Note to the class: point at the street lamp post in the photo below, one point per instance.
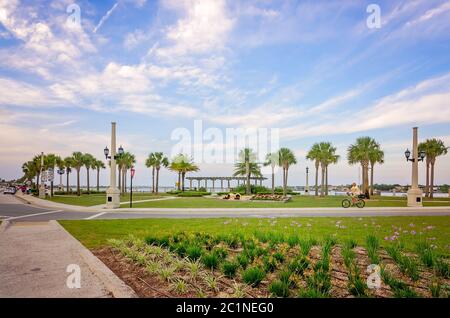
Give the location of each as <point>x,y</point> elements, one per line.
<point>60,172</point>
<point>414,193</point>
<point>113,193</point>
<point>131,186</point>
<point>307,186</point>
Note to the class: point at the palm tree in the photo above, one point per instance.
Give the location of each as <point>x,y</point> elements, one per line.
<point>314,154</point>
<point>286,158</point>
<point>359,153</point>
<point>272,160</point>
<point>375,156</point>
<point>150,163</point>
<point>77,161</point>
<point>182,164</point>
<point>433,148</point>
<point>68,163</point>
<point>128,161</point>
<point>160,161</point>
<point>88,162</point>
<point>39,167</point>
<point>426,147</point>
<point>98,164</point>
<point>51,160</point>
<point>247,166</point>
<point>327,156</point>
<point>29,170</point>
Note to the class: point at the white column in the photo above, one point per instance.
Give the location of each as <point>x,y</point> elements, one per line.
<point>113,194</point>
<point>415,194</point>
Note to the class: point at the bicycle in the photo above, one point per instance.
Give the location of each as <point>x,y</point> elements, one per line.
<point>348,202</point>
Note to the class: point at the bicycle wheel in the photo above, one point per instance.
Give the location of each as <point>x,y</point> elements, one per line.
<point>346,203</point>
<point>360,204</point>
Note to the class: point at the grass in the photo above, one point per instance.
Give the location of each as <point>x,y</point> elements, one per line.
<point>95,233</point>
<point>97,199</point>
<point>297,201</point>
<point>253,276</point>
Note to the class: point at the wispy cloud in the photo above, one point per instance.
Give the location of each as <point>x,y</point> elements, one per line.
<point>105,17</point>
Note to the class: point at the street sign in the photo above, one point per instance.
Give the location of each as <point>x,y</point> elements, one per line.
<point>50,174</point>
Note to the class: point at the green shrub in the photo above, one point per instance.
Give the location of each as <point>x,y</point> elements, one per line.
<point>243,260</point>
<point>229,269</point>
<point>163,241</point>
<point>210,260</point>
<point>442,268</point>
<point>320,281</point>
<point>253,276</point>
<point>220,252</point>
<point>372,249</point>
<point>426,254</point>
<point>191,194</point>
<point>270,263</point>
<point>298,265</point>
<point>279,288</point>
<point>194,252</point>
<point>279,257</point>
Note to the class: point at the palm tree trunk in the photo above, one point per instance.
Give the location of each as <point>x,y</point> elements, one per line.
<point>157,180</point>
<point>273,180</point>
<point>432,180</point>
<point>67,181</point>
<point>317,181</point>
<point>285,181</point>
<point>124,180</point>
<point>247,181</point>
<point>366,181</point>
<point>153,179</point>
<point>427,186</point>
<point>179,180</point>
<point>322,185</point>
<point>37,180</point>
<point>98,179</point>
<point>78,182</point>
<point>119,174</point>
<point>87,174</point>
<point>51,188</point>
<point>183,174</point>
<point>371,179</point>
<point>326,180</point>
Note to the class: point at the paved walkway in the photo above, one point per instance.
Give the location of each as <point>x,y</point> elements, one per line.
<point>34,257</point>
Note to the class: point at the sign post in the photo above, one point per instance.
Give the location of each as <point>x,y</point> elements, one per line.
<point>131,186</point>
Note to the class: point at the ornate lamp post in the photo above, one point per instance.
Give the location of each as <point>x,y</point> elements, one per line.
<point>307,186</point>
<point>60,172</point>
<point>113,193</point>
<point>414,193</point>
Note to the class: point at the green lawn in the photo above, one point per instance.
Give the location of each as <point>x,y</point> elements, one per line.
<point>96,199</point>
<point>298,201</point>
<point>434,229</point>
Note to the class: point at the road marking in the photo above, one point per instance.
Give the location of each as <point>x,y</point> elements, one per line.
<point>35,214</point>
<point>95,215</point>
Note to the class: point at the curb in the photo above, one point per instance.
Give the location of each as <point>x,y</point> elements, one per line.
<point>112,283</point>
<point>22,199</point>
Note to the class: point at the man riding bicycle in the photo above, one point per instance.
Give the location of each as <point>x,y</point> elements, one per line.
<point>354,192</point>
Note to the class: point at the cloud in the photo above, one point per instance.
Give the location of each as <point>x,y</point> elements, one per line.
<point>105,17</point>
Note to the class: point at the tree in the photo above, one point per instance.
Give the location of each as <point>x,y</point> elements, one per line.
<point>77,161</point>
<point>88,162</point>
<point>314,154</point>
<point>286,158</point>
<point>327,156</point>
<point>182,164</point>
<point>29,170</point>
<point>128,160</point>
<point>150,163</point>
<point>68,163</point>
<point>39,167</point>
<point>375,156</point>
<point>359,153</point>
<point>98,164</point>
<point>433,148</point>
<point>247,166</point>
<point>50,161</point>
<point>160,161</point>
<point>272,161</point>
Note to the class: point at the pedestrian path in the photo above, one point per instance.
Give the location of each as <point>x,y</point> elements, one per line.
<point>41,259</point>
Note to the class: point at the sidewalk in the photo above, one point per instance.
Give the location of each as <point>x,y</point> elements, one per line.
<point>34,260</point>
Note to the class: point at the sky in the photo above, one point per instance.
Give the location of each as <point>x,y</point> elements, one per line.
<point>310,70</point>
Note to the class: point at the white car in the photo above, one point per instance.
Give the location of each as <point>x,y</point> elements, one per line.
<point>10,190</point>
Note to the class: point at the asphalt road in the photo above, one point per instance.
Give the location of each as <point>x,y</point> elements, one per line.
<point>15,210</point>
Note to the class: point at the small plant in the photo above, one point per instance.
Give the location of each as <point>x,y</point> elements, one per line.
<point>279,257</point>
<point>435,288</point>
<point>426,254</point>
<point>243,260</point>
<point>179,286</point>
<point>305,246</point>
<point>442,268</point>
<point>238,290</point>
<point>211,282</point>
<point>311,293</point>
<point>298,265</point>
<point>229,269</point>
<point>406,264</point>
<point>279,288</point>
<point>193,268</point>
<point>194,252</point>
<point>220,252</point>
<point>320,281</point>
<point>270,263</point>
<point>372,249</point>
<point>293,240</point>
<point>167,273</point>
<point>253,276</point>
<point>210,260</point>
<point>285,276</point>
<point>399,288</point>
<point>350,243</point>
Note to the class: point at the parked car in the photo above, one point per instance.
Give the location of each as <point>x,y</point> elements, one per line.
<point>10,190</point>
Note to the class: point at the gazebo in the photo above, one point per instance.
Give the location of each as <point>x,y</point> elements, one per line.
<point>238,181</point>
